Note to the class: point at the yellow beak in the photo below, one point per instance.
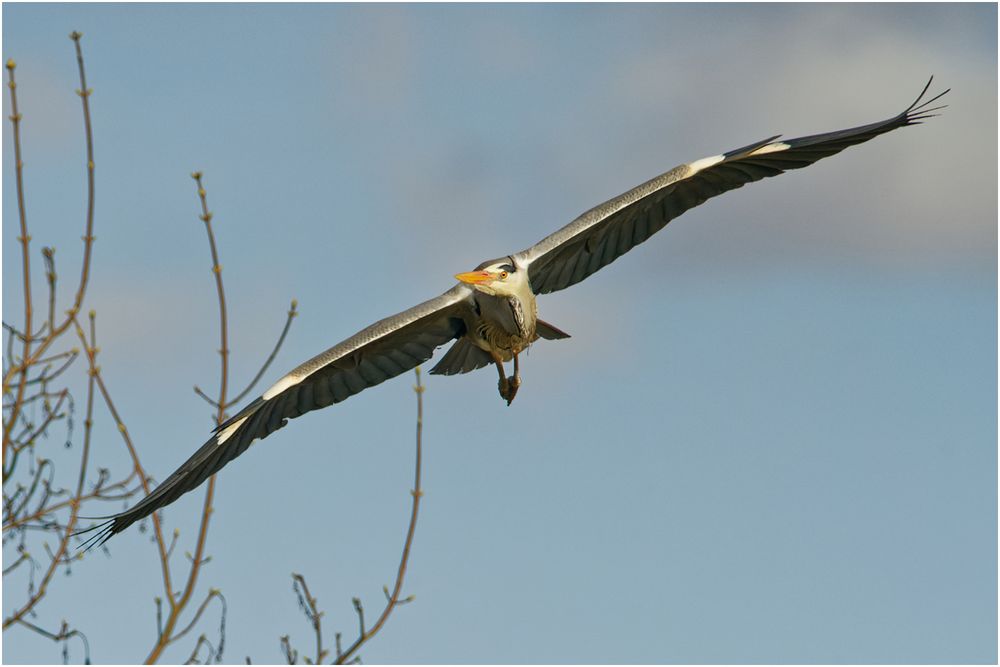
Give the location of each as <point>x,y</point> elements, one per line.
<point>474,277</point>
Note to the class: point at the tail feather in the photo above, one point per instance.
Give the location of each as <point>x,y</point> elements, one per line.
<point>462,357</point>
<point>549,332</point>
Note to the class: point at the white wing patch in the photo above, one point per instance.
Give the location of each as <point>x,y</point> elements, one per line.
<point>227,432</point>
<point>281,385</point>
<point>771,148</point>
<point>704,163</point>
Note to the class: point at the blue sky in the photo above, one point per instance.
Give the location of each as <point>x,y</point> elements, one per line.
<point>772,437</point>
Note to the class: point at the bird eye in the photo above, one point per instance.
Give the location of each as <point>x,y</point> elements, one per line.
<point>503,275</point>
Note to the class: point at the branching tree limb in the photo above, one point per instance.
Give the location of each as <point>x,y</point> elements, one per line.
<point>176,605</point>
<point>393,598</point>
<point>32,501</point>
<point>42,503</point>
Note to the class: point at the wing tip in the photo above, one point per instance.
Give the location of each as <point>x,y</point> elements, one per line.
<point>105,531</point>
<point>919,111</point>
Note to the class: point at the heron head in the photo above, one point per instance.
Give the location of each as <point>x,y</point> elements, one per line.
<point>496,277</point>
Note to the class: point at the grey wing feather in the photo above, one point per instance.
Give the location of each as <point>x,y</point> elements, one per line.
<point>608,231</point>
<point>375,354</point>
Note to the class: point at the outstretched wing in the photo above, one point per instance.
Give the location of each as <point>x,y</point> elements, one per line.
<point>371,356</point>
<point>608,231</point>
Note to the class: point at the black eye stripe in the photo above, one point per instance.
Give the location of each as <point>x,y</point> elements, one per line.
<point>498,264</point>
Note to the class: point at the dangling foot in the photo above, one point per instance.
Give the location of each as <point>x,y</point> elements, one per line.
<point>503,386</point>
<point>513,384</point>
<point>507,386</point>
<point>514,381</point>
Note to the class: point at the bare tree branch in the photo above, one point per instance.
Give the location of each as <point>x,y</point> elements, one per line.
<point>177,606</point>
<point>64,635</point>
<point>393,599</point>
<point>42,509</point>
<point>29,358</point>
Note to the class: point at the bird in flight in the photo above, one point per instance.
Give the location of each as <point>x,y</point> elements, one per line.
<point>492,312</point>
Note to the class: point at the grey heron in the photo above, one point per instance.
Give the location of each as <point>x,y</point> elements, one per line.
<point>491,314</point>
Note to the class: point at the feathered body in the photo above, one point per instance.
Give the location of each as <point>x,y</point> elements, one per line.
<point>507,312</point>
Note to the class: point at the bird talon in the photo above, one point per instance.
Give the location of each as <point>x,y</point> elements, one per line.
<point>513,384</point>
<point>508,387</point>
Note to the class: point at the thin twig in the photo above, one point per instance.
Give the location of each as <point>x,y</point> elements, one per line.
<point>193,658</point>
<point>43,466</point>
<point>212,594</point>
<point>198,559</point>
<point>291,655</point>
<point>69,356</point>
<point>173,543</point>
<point>8,359</point>
<point>88,239</point>
<point>208,399</point>
<point>50,416</point>
<point>206,217</point>
<point>292,312</point>
<point>88,421</point>
<point>24,239</point>
<point>13,566</point>
<point>308,603</point>
<point>49,256</point>
<point>63,635</point>
<point>360,611</point>
<point>394,599</point>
